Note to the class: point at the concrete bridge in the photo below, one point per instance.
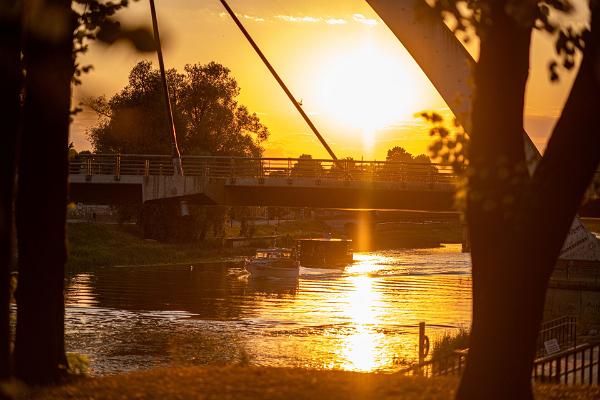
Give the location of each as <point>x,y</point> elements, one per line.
<point>285,182</point>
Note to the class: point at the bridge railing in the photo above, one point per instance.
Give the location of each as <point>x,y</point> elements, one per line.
<point>261,168</point>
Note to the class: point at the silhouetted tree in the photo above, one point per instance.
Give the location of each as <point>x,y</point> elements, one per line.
<point>43,170</point>
<point>398,154</point>
<point>403,164</point>
<point>39,39</point>
<point>306,166</point>
<point>209,121</point>
<point>208,117</point>
<point>518,222</point>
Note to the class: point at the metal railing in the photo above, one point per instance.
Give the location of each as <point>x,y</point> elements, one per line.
<point>563,329</point>
<point>578,366</point>
<point>574,365</point>
<point>261,168</point>
<point>448,365</point>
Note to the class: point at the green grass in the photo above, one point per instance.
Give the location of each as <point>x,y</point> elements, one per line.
<point>95,245</point>
<point>296,229</point>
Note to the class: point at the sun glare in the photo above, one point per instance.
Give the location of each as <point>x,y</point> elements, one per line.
<point>368,88</point>
<point>362,350</point>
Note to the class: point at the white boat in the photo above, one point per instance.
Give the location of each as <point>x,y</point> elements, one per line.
<point>274,262</point>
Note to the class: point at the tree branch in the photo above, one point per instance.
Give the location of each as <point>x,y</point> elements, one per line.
<point>573,152</point>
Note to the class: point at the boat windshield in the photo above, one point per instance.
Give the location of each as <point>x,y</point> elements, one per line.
<point>273,254</point>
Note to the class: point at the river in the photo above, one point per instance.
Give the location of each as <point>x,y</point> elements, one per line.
<point>364,318</point>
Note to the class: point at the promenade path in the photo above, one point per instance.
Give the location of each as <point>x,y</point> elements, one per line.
<point>245,383</point>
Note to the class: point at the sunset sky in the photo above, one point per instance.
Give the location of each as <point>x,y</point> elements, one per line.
<point>356,81</point>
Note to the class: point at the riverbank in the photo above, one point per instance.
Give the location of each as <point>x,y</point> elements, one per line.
<point>239,382</point>
<point>93,245</point>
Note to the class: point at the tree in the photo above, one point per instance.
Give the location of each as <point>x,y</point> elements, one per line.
<point>519,222</point>
<point>208,118</point>
<point>307,167</point>
<point>398,154</point>
<point>402,164</point>
<point>10,87</point>
<point>209,121</point>
<point>38,48</point>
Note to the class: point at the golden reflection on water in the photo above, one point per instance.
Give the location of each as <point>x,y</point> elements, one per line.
<point>364,349</point>
<point>364,318</point>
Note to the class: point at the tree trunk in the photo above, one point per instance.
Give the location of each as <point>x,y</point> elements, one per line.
<point>42,195</point>
<point>497,365</point>
<point>516,241</point>
<point>10,85</point>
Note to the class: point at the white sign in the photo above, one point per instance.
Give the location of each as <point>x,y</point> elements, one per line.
<point>551,346</point>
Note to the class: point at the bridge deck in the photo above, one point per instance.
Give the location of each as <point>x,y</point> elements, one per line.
<point>264,182</point>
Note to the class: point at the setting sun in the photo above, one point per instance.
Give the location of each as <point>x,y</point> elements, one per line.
<point>364,87</point>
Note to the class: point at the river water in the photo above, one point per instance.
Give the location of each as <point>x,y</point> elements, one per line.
<point>364,318</point>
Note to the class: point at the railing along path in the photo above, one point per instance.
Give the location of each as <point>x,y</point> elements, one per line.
<point>576,365</point>
<point>241,167</point>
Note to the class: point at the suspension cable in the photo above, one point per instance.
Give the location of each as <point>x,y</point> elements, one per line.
<point>175,154</point>
<point>279,80</point>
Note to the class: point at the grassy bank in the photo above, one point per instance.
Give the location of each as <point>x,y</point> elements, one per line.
<point>237,382</point>
<point>95,245</point>
<point>382,235</point>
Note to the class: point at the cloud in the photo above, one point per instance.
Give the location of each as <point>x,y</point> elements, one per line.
<point>253,18</point>
<point>291,18</point>
<point>308,19</point>
<point>361,19</point>
<point>336,21</point>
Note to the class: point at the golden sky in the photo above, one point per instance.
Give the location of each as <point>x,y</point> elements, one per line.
<point>356,81</point>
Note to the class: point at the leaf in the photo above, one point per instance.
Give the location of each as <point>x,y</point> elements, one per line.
<point>142,39</point>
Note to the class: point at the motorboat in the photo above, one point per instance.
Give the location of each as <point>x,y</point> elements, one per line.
<point>273,263</point>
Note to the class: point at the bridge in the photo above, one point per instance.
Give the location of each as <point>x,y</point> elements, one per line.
<point>284,182</point>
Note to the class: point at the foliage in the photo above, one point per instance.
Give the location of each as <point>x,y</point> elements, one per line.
<point>473,18</point>
<point>79,364</point>
<point>450,145</point>
<point>449,342</point>
<point>307,166</point>
<point>398,154</point>
<point>405,163</point>
<point>517,222</point>
<point>95,21</point>
<point>208,118</point>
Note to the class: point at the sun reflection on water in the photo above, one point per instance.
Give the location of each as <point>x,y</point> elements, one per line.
<point>363,318</point>
<point>363,350</point>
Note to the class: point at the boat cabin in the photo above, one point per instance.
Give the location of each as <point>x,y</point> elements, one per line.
<point>324,253</point>
<point>273,253</point>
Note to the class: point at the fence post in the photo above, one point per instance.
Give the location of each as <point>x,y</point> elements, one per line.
<point>423,343</point>
<point>118,167</point>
